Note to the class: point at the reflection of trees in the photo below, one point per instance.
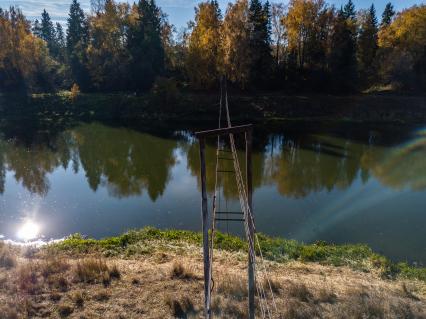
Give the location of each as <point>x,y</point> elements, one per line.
<point>400,167</point>
<point>32,164</point>
<point>317,163</point>
<point>227,180</point>
<point>312,165</point>
<point>124,160</point>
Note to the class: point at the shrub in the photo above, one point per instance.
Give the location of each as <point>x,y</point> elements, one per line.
<point>75,91</point>
<point>179,271</point>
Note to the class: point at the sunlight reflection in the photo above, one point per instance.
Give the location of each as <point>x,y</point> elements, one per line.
<point>29,230</point>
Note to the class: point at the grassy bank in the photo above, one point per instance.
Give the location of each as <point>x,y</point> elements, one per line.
<point>152,273</point>
<point>198,107</point>
<point>357,256</point>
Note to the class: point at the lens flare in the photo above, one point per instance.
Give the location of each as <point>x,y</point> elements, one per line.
<point>29,230</point>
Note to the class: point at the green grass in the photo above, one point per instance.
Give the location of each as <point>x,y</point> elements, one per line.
<point>146,240</point>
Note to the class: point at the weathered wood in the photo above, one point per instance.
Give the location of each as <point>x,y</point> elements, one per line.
<point>225,131</point>
<point>251,255</point>
<point>205,226</point>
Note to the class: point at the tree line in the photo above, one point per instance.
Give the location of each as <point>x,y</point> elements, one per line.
<point>306,45</point>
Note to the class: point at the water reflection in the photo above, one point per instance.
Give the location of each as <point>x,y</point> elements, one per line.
<point>367,185</point>
<point>127,162</point>
<point>29,230</point>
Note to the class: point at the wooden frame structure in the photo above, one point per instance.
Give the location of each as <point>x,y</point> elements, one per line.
<point>247,130</point>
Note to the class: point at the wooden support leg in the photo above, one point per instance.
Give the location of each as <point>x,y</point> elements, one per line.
<point>205,223</point>
<point>251,255</point>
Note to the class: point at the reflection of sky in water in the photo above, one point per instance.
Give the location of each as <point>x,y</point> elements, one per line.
<point>307,187</point>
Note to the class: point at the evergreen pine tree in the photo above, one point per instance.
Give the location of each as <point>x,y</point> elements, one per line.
<point>36,28</point>
<point>260,43</point>
<point>349,10</point>
<point>59,35</point>
<point>60,41</point>
<point>343,64</point>
<point>367,47</point>
<point>76,43</point>
<point>387,15</point>
<point>145,46</point>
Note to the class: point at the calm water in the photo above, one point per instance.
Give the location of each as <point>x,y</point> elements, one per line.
<point>312,182</point>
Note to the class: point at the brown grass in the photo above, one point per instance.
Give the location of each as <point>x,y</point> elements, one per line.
<point>52,266</point>
<point>7,258</point>
<point>233,286</point>
<point>65,310</point>
<point>28,279</point>
<point>299,291</point>
<point>179,271</point>
<point>180,308</point>
<point>42,287</point>
<point>78,297</point>
<point>93,270</point>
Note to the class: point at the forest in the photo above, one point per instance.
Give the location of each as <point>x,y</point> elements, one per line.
<point>303,46</point>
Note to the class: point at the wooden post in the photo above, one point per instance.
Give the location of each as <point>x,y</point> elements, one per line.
<point>251,255</point>
<point>205,226</point>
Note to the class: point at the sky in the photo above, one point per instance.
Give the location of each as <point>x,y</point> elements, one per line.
<point>179,11</point>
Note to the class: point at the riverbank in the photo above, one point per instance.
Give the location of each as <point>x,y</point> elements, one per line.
<point>131,109</point>
<point>158,274</point>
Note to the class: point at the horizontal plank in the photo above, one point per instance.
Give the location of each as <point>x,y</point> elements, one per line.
<point>225,131</point>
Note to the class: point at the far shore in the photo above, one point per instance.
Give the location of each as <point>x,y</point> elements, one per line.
<point>153,273</point>
<point>196,107</point>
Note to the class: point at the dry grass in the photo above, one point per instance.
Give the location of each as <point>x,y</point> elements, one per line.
<point>75,288</point>
<point>180,308</point>
<point>179,271</point>
<point>28,279</point>
<point>64,310</point>
<point>78,297</point>
<point>7,258</point>
<point>52,266</point>
<point>299,291</point>
<point>95,270</point>
<point>233,286</point>
<point>8,312</point>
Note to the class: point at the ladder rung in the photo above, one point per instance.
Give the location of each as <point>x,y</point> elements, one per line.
<point>226,171</point>
<point>230,219</point>
<point>227,151</point>
<point>226,158</point>
<point>231,213</point>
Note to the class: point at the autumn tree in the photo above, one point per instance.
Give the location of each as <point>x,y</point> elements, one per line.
<point>145,45</point>
<point>260,43</point>
<point>236,41</point>
<point>308,24</point>
<point>367,47</point>
<point>403,44</point>
<point>77,39</point>
<point>204,46</point>
<point>24,59</point>
<point>106,50</point>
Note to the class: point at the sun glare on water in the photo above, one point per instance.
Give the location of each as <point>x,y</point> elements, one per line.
<point>29,230</point>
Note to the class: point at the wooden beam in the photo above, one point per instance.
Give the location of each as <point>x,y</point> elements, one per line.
<point>205,226</point>
<point>225,131</point>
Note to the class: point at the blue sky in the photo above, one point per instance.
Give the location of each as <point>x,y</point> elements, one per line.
<point>179,11</point>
